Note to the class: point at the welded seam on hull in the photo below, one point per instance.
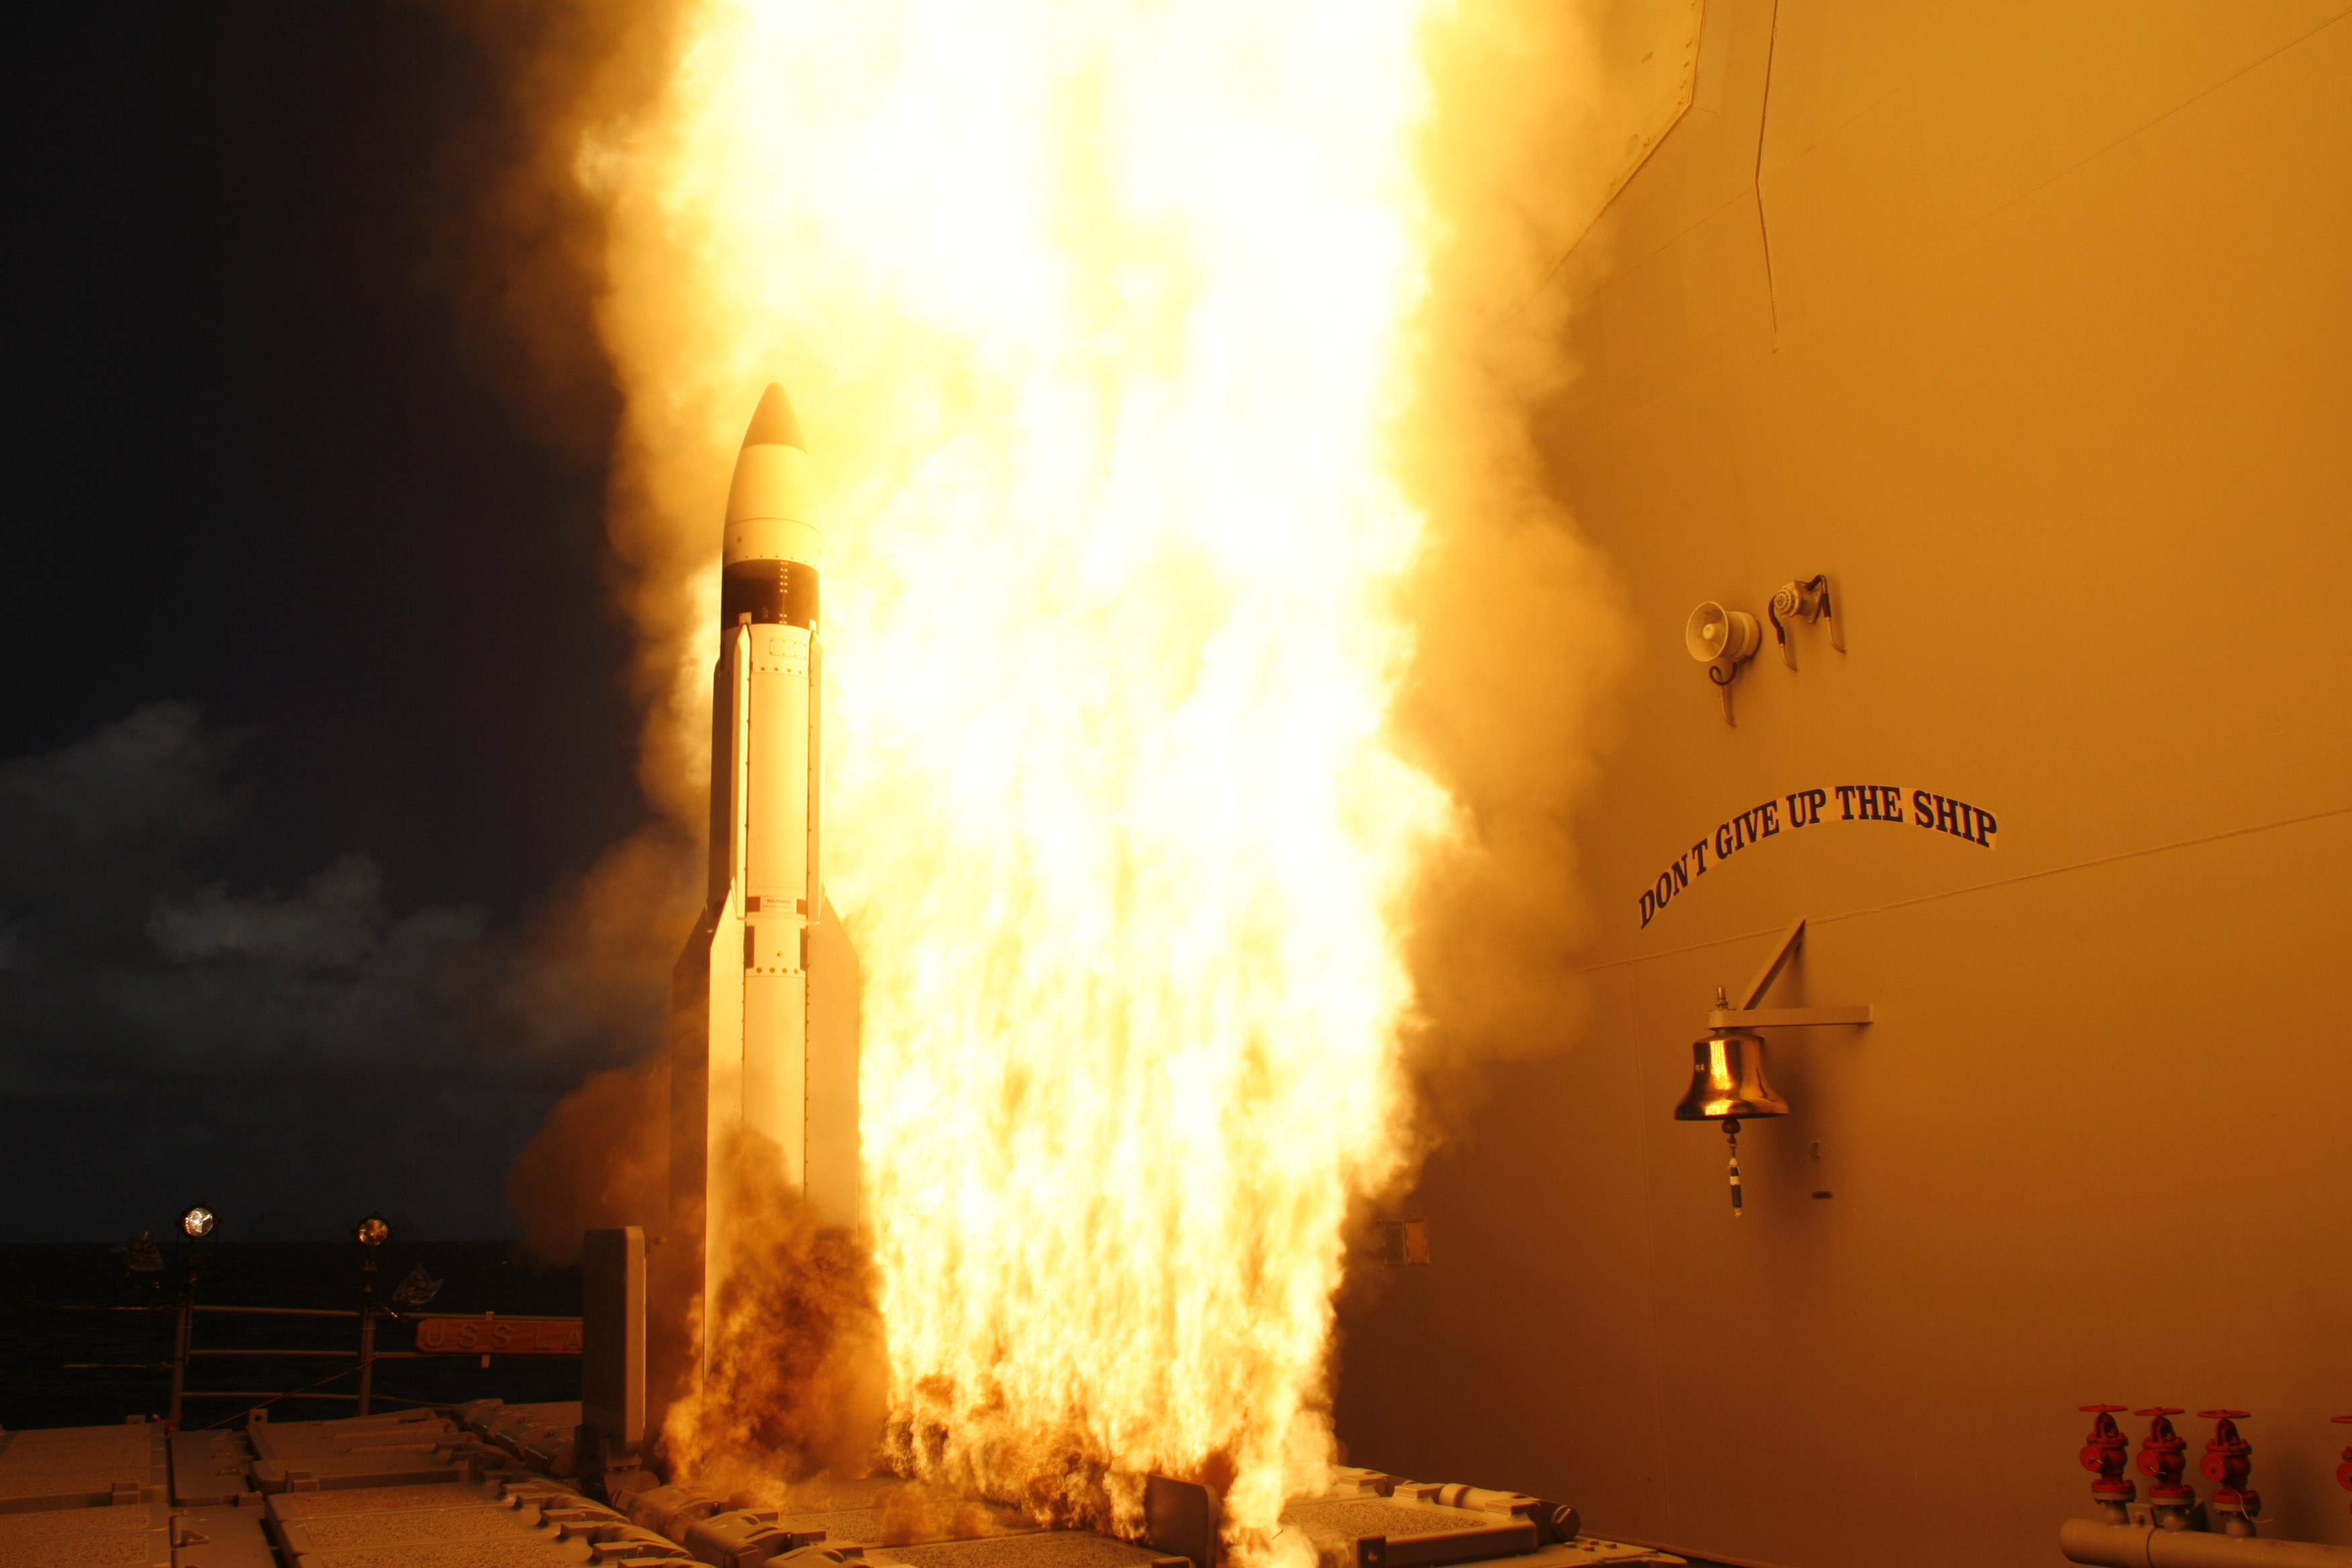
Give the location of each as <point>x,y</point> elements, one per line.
<point>1763,125</point>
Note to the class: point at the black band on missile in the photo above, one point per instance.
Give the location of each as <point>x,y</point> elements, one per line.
<point>771,593</point>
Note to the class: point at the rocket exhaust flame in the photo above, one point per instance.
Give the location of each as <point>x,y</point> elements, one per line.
<point>1098,317</point>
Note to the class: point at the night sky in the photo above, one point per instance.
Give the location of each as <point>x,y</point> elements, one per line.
<point>314,694</point>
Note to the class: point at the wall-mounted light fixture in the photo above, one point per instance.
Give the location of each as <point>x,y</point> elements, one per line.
<point>1728,1079</point>
<point>1722,640</point>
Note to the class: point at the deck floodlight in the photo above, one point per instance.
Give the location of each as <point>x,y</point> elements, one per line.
<point>198,1222</point>
<point>372,1231</point>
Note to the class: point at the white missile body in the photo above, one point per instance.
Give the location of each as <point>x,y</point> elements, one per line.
<point>743,1045</point>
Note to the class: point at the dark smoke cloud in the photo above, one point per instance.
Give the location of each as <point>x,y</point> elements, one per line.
<point>293,1057</point>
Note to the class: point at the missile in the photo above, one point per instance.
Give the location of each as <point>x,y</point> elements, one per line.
<point>741,1041</point>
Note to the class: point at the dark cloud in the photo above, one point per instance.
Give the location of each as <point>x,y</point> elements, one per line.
<point>164,1034</point>
<point>254,281</point>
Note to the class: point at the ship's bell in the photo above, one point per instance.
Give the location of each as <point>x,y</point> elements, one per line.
<point>1728,1080</point>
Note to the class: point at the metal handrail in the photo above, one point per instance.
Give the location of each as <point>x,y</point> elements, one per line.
<point>346,1355</point>
<point>205,1307</point>
<point>183,1351</point>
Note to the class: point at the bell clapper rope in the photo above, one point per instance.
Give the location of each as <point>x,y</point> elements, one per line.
<point>1731,1136</point>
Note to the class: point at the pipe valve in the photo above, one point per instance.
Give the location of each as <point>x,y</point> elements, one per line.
<point>2226,1464</point>
<point>2105,1451</point>
<point>2163,1455</point>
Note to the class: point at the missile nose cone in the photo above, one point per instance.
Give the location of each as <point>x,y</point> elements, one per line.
<point>771,515</point>
<point>774,423</point>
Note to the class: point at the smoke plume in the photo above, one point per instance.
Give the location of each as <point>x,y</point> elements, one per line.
<point>1520,633</point>
<point>795,1387</point>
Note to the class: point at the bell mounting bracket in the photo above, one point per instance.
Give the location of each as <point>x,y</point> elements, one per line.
<point>1748,1016</point>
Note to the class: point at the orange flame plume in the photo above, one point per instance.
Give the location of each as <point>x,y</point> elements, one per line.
<point>1098,319</point>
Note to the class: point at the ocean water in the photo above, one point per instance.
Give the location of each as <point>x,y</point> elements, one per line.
<point>39,1335</point>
